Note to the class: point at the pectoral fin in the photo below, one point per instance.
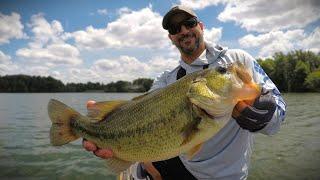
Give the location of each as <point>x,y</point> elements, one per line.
<point>191,129</point>
<point>98,111</point>
<point>117,165</point>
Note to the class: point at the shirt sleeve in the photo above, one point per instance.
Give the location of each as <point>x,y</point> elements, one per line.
<point>261,78</point>
<point>160,81</point>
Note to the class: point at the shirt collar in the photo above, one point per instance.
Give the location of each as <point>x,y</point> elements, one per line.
<point>208,56</point>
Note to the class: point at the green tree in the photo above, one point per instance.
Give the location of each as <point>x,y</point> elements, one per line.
<point>279,74</point>
<point>119,86</point>
<point>268,65</point>
<point>142,84</point>
<point>313,81</point>
<point>301,71</point>
<point>4,84</point>
<point>290,71</point>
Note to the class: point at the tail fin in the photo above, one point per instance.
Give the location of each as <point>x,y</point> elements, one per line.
<point>61,115</point>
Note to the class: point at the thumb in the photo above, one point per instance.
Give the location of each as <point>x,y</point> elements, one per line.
<point>240,106</point>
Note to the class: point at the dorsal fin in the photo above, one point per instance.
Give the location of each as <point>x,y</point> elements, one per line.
<point>145,94</point>
<point>139,97</point>
<point>98,111</point>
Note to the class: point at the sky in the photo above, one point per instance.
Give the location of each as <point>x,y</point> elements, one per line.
<point>111,40</point>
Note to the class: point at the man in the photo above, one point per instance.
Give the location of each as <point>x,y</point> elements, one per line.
<point>227,155</point>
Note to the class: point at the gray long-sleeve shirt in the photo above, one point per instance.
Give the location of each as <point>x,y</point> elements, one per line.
<point>227,154</point>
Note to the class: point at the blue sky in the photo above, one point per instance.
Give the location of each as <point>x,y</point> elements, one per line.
<point>104,41</point>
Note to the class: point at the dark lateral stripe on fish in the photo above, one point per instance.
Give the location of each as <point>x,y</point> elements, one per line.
<point>94,132</point>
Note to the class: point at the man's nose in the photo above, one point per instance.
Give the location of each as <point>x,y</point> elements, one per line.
<point>184,30</point>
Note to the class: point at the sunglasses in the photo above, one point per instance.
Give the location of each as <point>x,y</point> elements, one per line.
<point>188,23</point>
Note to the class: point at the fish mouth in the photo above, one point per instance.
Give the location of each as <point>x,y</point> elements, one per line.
<point>204,112</point>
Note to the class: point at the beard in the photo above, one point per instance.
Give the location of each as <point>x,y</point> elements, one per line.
<point>192,49</point>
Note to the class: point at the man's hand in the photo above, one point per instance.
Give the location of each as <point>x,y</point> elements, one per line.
<point>90,146</point>
<point>107,153</point>
<point>102,153</point>
<point>255,116</point>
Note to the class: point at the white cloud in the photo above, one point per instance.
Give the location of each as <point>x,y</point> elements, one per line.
<point>47,46</point>
<point>135,29</point>
<point>132,29</point>
<point>263,39</point>
<point>102,11</point>
<point>159,64</point>
<point>53,54</point>
<point>78,75</point>
<point>279,41</point>
<point>312,42</point>
<point>4,58</point>
<point>123,68</point>
<point>9,68</point>
<point>106,70</point>
<point>124,10</point>
<point>6,65</point>
<point>36,71</point>
<point>213,35</point>
<point>265,15</point>
<point>44,32</point>
<point>200,4</point>
<point>5,61</point>
<point>10,27</point>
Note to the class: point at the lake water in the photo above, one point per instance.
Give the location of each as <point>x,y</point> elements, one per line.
<point>26,153</point>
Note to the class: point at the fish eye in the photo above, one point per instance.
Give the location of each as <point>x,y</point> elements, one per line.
<point>221,69</point>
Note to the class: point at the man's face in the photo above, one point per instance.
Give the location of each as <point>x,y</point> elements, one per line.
<point>188,39</point>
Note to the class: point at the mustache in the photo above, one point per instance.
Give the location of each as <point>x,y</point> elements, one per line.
<point>188,35</point>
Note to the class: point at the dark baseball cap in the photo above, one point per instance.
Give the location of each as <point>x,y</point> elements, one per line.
<point>173,11</point>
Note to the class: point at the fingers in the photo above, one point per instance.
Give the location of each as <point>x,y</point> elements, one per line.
<point>152,171</point>
<point>89,146</point>
<point>235,113</point>
<point>102,153</point>
<point>90,104</point>
<point>241,106</point>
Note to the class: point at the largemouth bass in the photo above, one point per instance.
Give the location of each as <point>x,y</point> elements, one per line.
<point>161,124</point>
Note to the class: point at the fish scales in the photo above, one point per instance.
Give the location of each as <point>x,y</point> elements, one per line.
<point>158,122</point>
<point>116,130</point>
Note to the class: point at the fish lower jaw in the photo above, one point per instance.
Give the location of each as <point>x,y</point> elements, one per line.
<point>217,114</point>
<point>207,113</point>
<point>203,111</point>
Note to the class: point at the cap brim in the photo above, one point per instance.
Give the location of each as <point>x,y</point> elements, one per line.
<point>170,14</point>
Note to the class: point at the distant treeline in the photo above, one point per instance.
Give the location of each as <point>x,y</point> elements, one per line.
<point>24,83</point>
<point>297,71</point>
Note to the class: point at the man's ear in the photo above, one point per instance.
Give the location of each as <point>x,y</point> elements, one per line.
<point>201,25</point>
<point>169,36</point>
